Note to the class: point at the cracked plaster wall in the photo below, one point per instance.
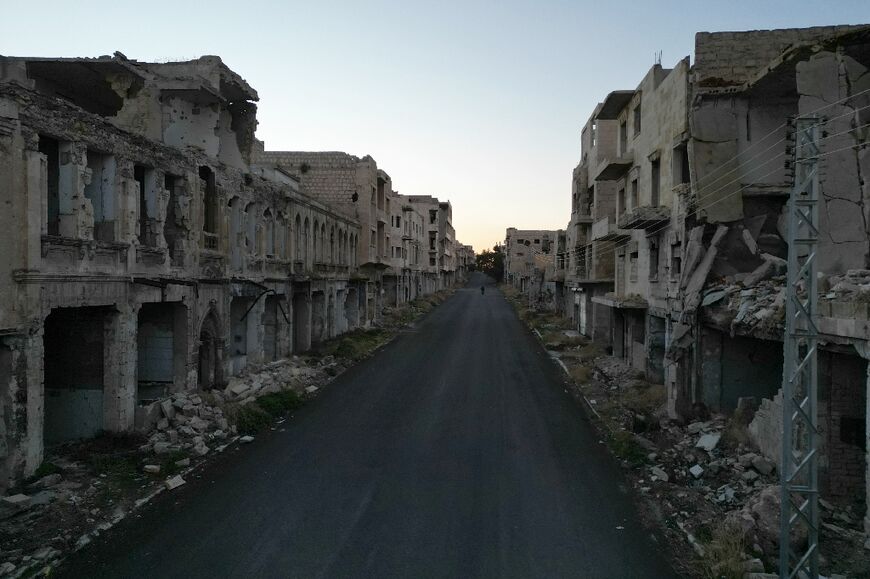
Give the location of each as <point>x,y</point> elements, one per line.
<point>822,80</point>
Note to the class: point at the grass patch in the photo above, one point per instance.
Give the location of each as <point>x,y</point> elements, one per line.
<point>45,469</point>
<point>590,352</point>
<point>644,399</point>
<point>167,463</point>
<point>251,419</point>
<point>624,446</point>
<point>580,374</point>
<point>357,344</point>
<point>280,403</point>
<point>724,553</point>
<point>121,471</point>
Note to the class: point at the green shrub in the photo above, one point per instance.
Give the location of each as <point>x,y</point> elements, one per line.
<point>45,469</point>
<point>623,445</point>
<point>251,419</point>
<point>279,403</point>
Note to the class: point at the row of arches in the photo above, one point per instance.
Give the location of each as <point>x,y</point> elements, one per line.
<point>333,245</point>
<point>270,234</point>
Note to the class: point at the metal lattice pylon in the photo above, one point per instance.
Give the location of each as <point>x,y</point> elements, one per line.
<point>799,525</point>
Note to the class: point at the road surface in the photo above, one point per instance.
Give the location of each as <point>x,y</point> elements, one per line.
<point>453,452</point>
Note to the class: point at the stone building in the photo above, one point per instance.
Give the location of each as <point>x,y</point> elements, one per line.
<point>648,172</point>
<point>388,254</point>
<point>439,241</point>
<point>148,249</point>
<point>592,232</point>
<point>530,265</point>
<point>685,182</point>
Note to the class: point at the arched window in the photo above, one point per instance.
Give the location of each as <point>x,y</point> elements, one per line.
<point>323,242</point>
<point>210,208</point>
<point>297,238</point>
<point>236,234</point>
<point>269,233</point>
<point>305,237</point>
<point>332,245</point>
<point>316,240</point>
<point>251,228</point>
<point>281,236</point>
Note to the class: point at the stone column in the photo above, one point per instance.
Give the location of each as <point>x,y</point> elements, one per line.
<point>119,374</point>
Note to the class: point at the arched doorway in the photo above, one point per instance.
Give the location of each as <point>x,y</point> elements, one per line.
<point>211,346</point>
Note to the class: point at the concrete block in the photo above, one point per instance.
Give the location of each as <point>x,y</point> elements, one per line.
<point>167,408</point>
<point>174,482</point>
<point>708,441</point>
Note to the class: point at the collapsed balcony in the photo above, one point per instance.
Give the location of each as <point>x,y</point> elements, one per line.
<point>645,217</point>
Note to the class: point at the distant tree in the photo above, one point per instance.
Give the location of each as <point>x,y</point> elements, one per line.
<point>491,262</point>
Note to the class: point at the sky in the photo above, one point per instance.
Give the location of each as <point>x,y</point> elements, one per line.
<point>476,102</point>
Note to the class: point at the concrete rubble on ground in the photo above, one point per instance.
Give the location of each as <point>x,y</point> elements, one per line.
<point>193,424</point>
<point>701,477</point>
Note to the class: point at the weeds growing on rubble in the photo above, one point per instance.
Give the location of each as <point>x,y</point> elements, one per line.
<point>279,403</point>
<point>250,419</point>
<point>724,553</point>
<point>358,344</point>
<point>624,445</point>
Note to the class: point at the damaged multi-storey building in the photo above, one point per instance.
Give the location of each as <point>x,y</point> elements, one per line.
<point>406,244</point>
<point>530,265</point>
<point>675,254</point>
<point>148,250</point>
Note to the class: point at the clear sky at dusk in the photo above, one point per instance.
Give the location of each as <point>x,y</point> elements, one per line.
<point>477,102</point>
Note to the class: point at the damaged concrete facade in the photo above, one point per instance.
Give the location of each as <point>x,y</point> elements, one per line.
<point>530,265</point>
<point>145,252</point>
<point>395,250</point>
<point>682,187</point>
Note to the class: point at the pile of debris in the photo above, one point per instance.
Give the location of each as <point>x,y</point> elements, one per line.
<point>759,309</point>
<point>303,375</point>
<point>85,488</point>
<point>706,475</point>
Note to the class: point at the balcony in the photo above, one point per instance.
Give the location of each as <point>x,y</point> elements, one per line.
<point>605,230</point>
<point>582,217</point>
<point>615,102</point>
<point>627,302</point>
<point>645,217</point>
<point>614,168</point>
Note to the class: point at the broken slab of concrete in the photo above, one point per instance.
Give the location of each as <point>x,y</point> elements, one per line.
<point>708,441</point>
<point>174,482</point>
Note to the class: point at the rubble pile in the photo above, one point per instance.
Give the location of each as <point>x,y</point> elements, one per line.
<point>706,473</point>
<point>295,373</point>
<point>760,308</point>
<point>65,509</point>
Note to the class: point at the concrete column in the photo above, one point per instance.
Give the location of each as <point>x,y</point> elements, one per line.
<point>119,376</point>
<point>256,332</point>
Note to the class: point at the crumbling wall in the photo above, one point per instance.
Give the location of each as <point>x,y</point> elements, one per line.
<point>823,81</point>
<point>731,58</point>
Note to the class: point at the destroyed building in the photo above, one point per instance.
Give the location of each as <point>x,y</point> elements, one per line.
<point>530,265</point>
<point>675,253</point>
<point>358,189</point>
<point>148,252</point>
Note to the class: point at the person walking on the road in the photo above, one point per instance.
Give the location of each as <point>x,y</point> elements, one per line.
<point>482,289</point>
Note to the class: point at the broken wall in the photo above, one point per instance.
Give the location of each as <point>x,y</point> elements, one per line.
<point>828,80</point>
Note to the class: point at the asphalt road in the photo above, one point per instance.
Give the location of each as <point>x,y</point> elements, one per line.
<point>453,452</point>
